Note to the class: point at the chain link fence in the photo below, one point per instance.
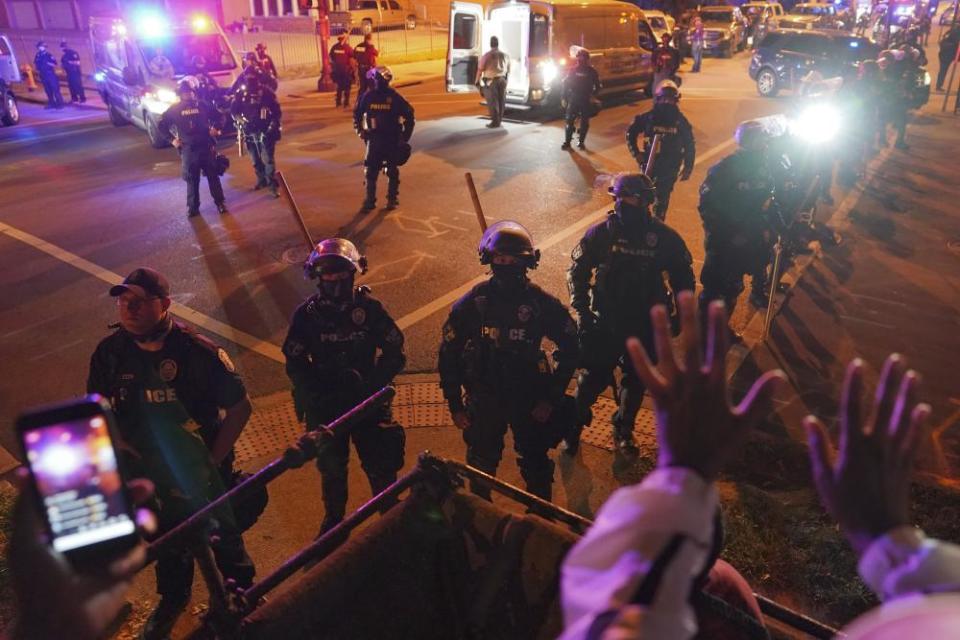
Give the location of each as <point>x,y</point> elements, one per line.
<point>295,50</point>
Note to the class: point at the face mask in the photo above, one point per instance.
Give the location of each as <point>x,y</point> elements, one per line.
<point>666,109</point>
<point>511,277</point>
<point>336,290</point>
<point>633,217</point>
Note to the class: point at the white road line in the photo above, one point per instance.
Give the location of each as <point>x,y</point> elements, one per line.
<point>33,139</point>
<point>450,297</point>
<point>205,322</point>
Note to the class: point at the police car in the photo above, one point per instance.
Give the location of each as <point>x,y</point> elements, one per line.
<point>140,59</point>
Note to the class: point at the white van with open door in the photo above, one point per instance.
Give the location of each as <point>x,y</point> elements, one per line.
<point>540,37</point>
<point>9,73</point>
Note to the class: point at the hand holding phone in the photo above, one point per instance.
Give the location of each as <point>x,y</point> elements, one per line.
<point>76,479</point>
<point>55,600</point>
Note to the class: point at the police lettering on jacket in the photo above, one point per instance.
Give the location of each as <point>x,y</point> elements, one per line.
<point>677,146</point>
<point>494,341</point>
<point>625,267</point>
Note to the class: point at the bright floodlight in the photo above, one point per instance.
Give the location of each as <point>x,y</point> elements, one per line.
<point>817,124</point>
<point>60,460</point>
<point>200,23</point>
<point>152,25</point>
<point>549,70</point>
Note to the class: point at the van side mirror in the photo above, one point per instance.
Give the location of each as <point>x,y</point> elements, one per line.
<point>130,76</point>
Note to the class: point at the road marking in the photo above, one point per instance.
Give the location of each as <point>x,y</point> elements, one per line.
<point>266,349</point>
<point>32,139</point>
<point>450,297</point>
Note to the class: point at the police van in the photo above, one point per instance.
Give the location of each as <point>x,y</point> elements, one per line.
<point>9,73</point>
<point>140,59</point>
<point>541,38</point>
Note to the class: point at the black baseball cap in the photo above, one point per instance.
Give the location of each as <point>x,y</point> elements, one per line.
<point>144,282</point>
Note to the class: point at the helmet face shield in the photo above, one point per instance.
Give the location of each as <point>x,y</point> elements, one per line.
<point>334,255</point>
<point>506,243</point>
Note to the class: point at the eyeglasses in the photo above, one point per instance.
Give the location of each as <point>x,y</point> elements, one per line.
<point>135,303</point>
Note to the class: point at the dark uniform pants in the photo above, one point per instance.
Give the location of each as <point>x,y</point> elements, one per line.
<point>495,93</point>
<point>380,445</point>
<point>578,109</point>
<point>192,164</point>
<point>362,83</point>
<point>380,155</point>
<point>174,568</point>
<point>51,85</point>
<point>602,353</point>
<point>664,182</point>
<point>490,416</point>
<point>724,267</point>
<point>262,148</point>
<point>75,82</point>
<point>343,78</point>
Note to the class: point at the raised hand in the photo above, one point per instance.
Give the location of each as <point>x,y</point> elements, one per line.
<point>696,426</point>
<point>867,488</point>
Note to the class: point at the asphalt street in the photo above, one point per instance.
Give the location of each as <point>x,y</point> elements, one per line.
<point>82,203</point>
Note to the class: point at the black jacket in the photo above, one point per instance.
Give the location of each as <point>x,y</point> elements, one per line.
<point>384,116</point>
<point>734,198</point>
<point>493,342</point>
<point>257,113</point>
<point>581,83</point>
<point>677,146</point>
<point>191,122</point>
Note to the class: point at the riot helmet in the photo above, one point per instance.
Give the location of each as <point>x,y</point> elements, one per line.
<point>187,88</point>
<point>508,248</point>
<point>334,263</point>
<point>583,55</point>
<point>380,77</point>
<point>261,48</point>
<point>634,193</point>
<point>751,135</point>
<point>667,91</point>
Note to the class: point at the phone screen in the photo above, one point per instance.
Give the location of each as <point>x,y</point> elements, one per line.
<point>75,469</point>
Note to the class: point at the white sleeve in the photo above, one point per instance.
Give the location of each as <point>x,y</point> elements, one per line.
<point>904,561</point>
<point>661,528</point>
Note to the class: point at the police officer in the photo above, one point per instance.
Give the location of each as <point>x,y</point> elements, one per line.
<point>492,350</point>
<point>734,201</point>
<point>615,279</point>
<point>677,148</point>
<point>257,116</point>
<point>253,69</point>
<point>580,88</point>
<point>266,62</point>
<point>385,121</point>
<point>666,61</point>
<point>46,66</point>
<point>341,61</point>
<point>169,386</point>
<point>70,61</point>
<point>365,55</point>
<point>895,83</point>
<point>194,126</point>
<point>342,347</point>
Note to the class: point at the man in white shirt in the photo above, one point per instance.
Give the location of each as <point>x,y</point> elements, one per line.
<point>492,72</point>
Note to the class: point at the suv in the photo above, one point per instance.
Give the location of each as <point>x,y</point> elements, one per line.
<point>9,73</point>
<point>373,15</point>
<point>724,30</point>
<point>784,57</point>
<point>761,17</point>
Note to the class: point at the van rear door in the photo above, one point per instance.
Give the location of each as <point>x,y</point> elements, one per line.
<point>9,72</point>
<point>511,24</point>
<point>463,52</point>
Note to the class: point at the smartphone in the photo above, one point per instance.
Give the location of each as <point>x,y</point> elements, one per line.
<point>76,478</point>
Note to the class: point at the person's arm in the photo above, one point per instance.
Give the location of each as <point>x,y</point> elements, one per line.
<point>634,568</point>
<point>392,359</point>
<point>234,420</point>
<point>680,267</point>
<point>583,262</point>
<point>480,66</point>
<point>633,135</point>
<point>299,366</point>
<point>689,147</point>
<point>867,487</point>
<point>596,83</point>
<point>450,359</point>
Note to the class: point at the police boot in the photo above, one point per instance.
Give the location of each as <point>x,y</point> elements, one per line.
<point>163,618</point>
<point>539,479</point>
<point>261,183</point>
<point>222,207</point>
<point>566,145</point>
<point>393,202</point>
<point>193,213</point>
<point>623,441</point>
<point>582,144</point>
<point>571,441</point>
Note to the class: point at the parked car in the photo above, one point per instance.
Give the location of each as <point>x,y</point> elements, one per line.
<point>373,15</point>
<point>784,57</point>
<point>725,30</point>
<point>761,17</point>
<point>9,73</point>
<point>660,23</point>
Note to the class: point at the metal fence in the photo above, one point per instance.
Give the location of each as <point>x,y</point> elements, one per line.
<point>294,53</point>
